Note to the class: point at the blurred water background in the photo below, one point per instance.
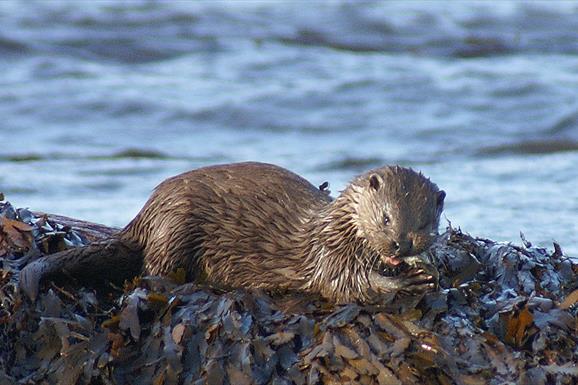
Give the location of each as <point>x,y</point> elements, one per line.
<point>100,101</point>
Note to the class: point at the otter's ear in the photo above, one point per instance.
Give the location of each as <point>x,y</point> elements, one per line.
<point>441,195</point>
<point>375,181</point>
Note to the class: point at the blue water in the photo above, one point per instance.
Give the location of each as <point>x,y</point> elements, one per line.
<point>100,101</point>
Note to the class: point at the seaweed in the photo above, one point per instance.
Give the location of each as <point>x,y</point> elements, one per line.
<point>503,313</point>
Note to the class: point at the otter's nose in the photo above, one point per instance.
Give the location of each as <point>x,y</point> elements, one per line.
<point>402,247</point>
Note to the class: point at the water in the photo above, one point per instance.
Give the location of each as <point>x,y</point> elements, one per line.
<point>100,101</point>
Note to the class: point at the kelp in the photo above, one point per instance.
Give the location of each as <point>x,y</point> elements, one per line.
<point>503,313</point>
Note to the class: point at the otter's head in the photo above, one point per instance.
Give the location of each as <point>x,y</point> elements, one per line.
<point>397,212</point>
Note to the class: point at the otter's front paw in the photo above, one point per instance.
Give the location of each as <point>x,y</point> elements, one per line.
<point>414,280</point>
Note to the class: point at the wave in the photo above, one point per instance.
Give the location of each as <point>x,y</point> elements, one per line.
<point>129,153</point>
<point>143,32</point>
<point>531,148</point>
<point>354,164</point>
<point>10,46</point>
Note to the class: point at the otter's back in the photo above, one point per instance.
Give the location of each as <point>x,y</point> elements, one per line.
<point>226,221</point>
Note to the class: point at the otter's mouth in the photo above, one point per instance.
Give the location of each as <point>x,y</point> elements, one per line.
<point>390,266</point>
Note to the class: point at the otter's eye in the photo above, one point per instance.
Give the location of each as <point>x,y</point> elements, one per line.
<point>385,220</point>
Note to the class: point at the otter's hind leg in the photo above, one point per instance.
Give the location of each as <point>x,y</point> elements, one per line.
<point>180,246</point>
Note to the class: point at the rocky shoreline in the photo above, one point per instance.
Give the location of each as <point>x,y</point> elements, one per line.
<point>503,314</point>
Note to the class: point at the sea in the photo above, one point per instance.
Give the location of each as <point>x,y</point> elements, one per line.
<point>102,100</point>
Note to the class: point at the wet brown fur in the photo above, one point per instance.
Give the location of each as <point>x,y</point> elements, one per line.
<point>257,225</point>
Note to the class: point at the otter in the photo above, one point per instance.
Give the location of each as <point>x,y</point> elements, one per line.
<point>257,225</point>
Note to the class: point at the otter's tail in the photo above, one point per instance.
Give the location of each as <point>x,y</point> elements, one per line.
<point>107,260</point>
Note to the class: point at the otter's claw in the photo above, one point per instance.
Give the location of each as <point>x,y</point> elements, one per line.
<point>416,282</point>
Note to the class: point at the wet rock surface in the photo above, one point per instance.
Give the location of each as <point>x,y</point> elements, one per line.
<point>504,313</point>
